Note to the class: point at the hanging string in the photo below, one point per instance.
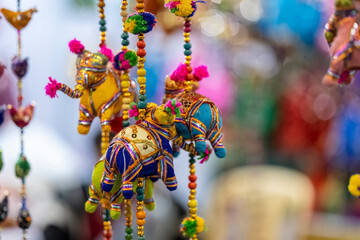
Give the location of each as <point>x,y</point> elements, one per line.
<point>102,23</point>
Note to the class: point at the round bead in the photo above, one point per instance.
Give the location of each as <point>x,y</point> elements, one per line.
<point>139,5</point>
<point>141,237</point>
<point>142,91</point>
<point>124,77</point>
<point>188,58</point>
<point>140,197</point>
<point>124,35</point>
<point>125,84</point>
<point>126,124</point>
<point>141,214</point>
<point>142,104</point>
<point>129,230</point>
<point>139,190</point>
<point>140,222</point>
<point>142,98</point>
<point>103,28</point>
<point>141,72</point>
<point>187,29</point>
<point>188,77</point>
<point>141,52</point>
<point>108,234</point>
<point>189,69</point>
<point>101,4</point>
<point>193,210</point>
<point>186,35</point>
<point>126,106</point>
<point>192,178</point>
<point>102,22</point>
<point>192,171</point>
<point>192,203</point>
<point>141,44</point>
<point>187,45</point>
<point>187,24</point>
<point>128,237</point>
<point>192,185</point>
<point>187,52</point>
<point>127,94</point>
<point>125,42</point>
<point>141,80</point>
<point>126,100</point>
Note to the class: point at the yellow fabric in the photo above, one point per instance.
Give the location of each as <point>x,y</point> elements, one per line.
<point>354,185</point>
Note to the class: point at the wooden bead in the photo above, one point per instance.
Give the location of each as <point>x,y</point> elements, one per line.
<point>141,52</point>
<point>192,185</point>
<point>142,91</point>
<point>189,77</point>
<point>101,4</point>
<point>192,178</point>
<point>127,94</point>
<point>189,69</point>
<point>193,210</point>
<point>141,214</point>
<point>141,72</point>
<point>140,5</point>
<point>192,171</point>
<point>141,44</point>
<point>192,203</point>
<point>141,80</point>
<point>140,222</point>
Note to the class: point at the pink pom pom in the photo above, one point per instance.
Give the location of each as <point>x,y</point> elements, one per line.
<point>201,72</point>
<point>179,73</point>
<point>76,46</point>
<point>52,87</point>
<point>107,52</point>
<point>126,65</point>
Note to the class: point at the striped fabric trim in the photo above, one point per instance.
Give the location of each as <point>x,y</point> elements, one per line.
<point>85,123</point>
<point>110,102</point>
<point>94,200</point>
<point>86,112</point>
<point>70,92</point>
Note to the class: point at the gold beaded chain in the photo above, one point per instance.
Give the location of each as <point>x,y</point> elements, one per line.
<point>102,22</point>
<point>187,52</point>
<point>192,203</point>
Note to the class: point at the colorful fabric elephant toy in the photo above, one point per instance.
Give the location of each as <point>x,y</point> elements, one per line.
<point>143,150</point>
<point>115,197</point>
<point>97,86</point>
<point>200,120</point>
<point>342,35</point>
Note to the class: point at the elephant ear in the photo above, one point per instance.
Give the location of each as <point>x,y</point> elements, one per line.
<point>150,106</point>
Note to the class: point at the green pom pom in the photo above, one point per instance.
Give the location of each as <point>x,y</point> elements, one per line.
<point>90,207</point>
<point>115,214</point>
<point>1,160</point>
<point>22,167</point>
<point>132,57</point>
<point>188,227</point>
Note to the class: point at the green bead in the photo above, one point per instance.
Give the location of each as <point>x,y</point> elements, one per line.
<point>1,160</point>
<point>140,197</point>
<point>124,35</point>
<point>129,230</point>
<point>102,28</point>
<point>106,215</point>
<point>125,42</point>
<point>142,104</point>
<point>102,22</point>
<point>187,52</point>
<point>141,238</point>
<point>140,190</point>
<point>128,237</point>
<point>22,167</point>
<point>126,124</point>
<point>142,97</point>
<point>187,46</point>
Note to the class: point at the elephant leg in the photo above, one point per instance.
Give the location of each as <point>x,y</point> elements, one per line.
<point>115,211</point>
<point>169,177</point>
<point>128,190</point>
<point>216,139</point>
<point>149,188</point>
<point>198,131</point>
<point>85,120</point>
<point>332,77</point>
<point>92,202</point>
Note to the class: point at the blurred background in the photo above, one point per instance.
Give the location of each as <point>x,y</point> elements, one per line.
<point>292,144</point>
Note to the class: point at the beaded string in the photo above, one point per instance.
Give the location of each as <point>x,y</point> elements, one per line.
<point>102,23</point>
<point>141,72</point>
<point>187,52</point>
<point>125,84</point>
<point>192,204</point>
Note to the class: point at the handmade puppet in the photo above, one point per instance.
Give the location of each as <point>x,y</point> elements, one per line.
<point>143,150</point>
<point>97,86</point>
<point>342,35</point>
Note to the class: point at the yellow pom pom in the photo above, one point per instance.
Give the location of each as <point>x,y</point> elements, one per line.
<point>129,25</point>
<point>354,185</point>
<point>184,8</point>
<point>200,224</point>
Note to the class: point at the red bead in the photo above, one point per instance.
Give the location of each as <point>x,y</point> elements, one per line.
<point>107,235</point>
<point>192,185</point>
<point>141,52</point>
<point>187,29</point>
<point>141,44</point>
<point>187,24</point>
<point>189,69</point>
<point>192,178</point>
<point>189,77</point>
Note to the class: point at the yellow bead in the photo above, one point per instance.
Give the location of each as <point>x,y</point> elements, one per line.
<point>126,100</point>
<point>141,80</point>
<point>125,84</point>
<point>192,171</point>
<point>193,210</point>
<point>188,58</point>
<point>141,72</point>
<point>192,191</point>
<point>142,86</point>
<point>127,94</point>
<point>192,203</point>
<point>141,36</point>
<point>126,106</point>
<point>186,39</point>
<point>124,14</point>
<point>186,35</point>
<point>142,91</point>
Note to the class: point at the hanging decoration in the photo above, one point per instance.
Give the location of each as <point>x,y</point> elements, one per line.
<point>21,115</point>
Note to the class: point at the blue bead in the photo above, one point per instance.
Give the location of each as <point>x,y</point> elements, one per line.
<point>142,104</point>
<point>141,238</point>
<point>102,22</point>
<point>125,42</point>
<point>140,197</point>
<point>187,52</point>
<point>102,28</point>
<point>187,46</point>
<point>140,190</point>
<point>124,35</point>
<point>142,97</point>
